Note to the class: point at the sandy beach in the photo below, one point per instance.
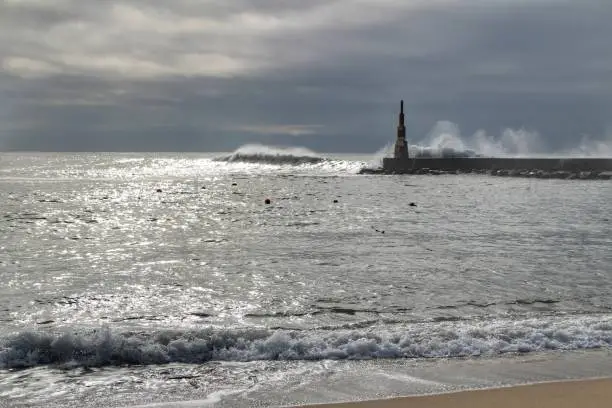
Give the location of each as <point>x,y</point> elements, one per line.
<point>567,394</point>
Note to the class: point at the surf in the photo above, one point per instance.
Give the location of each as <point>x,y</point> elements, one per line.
<point>255,153</point>
<point>106,347</point>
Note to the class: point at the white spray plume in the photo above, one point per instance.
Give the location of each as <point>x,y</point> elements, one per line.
<point>377,158</point>
<point>445,139</point>
<point>593,148</point>
<point>445,135</point>
<point>517,142</point>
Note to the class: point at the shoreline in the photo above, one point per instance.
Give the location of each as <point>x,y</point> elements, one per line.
<point>586,393</point>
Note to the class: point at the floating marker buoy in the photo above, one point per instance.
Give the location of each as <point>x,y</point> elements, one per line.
<point>335,201</point>
<point>267,201</point>
<point>159,190</point>
<point>203,187</point>
<point>413,204</point>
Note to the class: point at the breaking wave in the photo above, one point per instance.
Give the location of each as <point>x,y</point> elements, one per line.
<point>273,155</point>
<point>423,340</point>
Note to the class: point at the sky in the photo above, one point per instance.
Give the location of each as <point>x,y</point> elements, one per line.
<point>213,75</point>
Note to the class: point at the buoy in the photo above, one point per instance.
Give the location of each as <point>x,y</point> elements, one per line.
<point>335,201</point>
<point>159,190</point>
<point>267,201</point>
<point>234,184</point>
<point>413,204</point>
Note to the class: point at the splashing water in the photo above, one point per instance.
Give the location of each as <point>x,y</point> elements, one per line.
<point>255,153</point>
<point>274,158</point>
<point>445,140</point>
<point>377,159</point>
<point>593,148</point>
<point>448,340</point>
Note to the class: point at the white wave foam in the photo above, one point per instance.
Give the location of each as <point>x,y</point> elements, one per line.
<point>256,157</point>
<point>425,340</point>
<point>255,153</point>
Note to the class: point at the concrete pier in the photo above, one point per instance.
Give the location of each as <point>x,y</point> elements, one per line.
<point>398,166</point>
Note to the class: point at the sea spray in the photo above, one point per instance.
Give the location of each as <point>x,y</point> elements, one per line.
<point>420,340</point>
<point>446,136</point>
<point>377,158</point>
<point>254,153</point>
<point>445,141</point>
<point>288,159</point>
<point>590,147</point>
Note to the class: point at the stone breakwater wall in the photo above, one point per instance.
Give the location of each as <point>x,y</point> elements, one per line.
<point>563,168</point>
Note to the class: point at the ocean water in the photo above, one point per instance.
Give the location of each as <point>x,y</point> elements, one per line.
<point>161,279</point>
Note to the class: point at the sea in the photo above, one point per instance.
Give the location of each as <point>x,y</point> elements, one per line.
<point>280,277</point>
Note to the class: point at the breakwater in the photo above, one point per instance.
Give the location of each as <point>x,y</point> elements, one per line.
<point>583,168</point>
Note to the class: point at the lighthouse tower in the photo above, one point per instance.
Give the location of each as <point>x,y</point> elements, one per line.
<point>401,147</point>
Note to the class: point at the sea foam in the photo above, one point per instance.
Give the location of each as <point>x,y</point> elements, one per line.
<point>255,153</point>
<point>107,347</point>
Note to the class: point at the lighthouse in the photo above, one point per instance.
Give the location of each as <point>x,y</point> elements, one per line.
<point>401,147</point>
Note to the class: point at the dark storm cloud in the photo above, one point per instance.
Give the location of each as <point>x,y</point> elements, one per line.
<point>190,75</point>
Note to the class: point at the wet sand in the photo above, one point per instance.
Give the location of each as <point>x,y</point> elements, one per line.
<point>595,393</point>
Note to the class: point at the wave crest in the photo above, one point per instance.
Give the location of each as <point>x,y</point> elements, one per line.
<point>272,155</point>
<point>456,339</point>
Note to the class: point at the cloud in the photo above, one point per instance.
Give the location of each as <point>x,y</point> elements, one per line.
<point>27,67</point>
<point>285,130</point>
<point>210,75</point>
<point>151,39</point>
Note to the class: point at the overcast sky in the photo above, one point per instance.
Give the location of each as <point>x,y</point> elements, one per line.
<point>212,75</point>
